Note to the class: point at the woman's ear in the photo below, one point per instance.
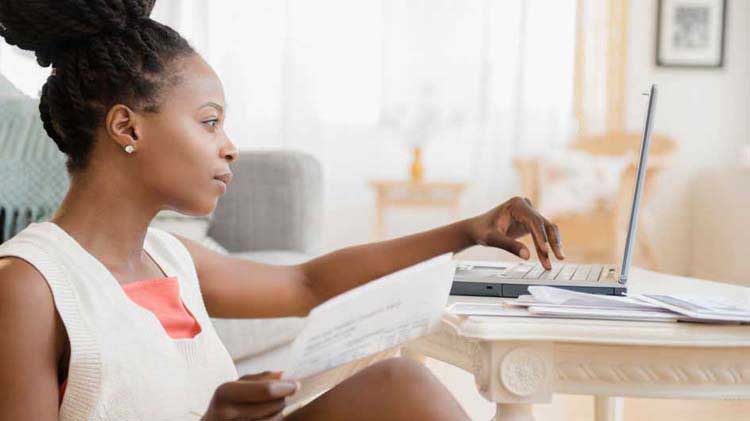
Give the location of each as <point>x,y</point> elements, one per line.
<point>122,125</point>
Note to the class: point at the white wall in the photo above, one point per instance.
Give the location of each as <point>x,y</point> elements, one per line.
<point>707,111</point>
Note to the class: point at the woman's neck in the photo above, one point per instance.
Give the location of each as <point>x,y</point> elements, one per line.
<point>109,221</point>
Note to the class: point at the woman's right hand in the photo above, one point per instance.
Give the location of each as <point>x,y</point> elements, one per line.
<point>251,397</point>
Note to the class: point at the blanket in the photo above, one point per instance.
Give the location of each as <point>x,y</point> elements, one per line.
<point>32,170</point>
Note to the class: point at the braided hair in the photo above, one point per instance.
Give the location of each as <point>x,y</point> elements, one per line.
<point>102,53</point>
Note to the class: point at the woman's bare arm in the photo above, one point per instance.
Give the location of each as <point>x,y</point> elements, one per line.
<point>30,344</point>
<point>241,289</point>
<point>237,288</point>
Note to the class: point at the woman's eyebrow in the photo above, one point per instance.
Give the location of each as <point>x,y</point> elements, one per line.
<point>214,105</point>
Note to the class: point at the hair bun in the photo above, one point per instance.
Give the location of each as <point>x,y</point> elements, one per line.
<point>48,26</point>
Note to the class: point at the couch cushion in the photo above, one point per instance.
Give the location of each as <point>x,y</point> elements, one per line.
<point>193,227</point>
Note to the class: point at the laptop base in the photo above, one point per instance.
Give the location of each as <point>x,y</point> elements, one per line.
<point>513,290</point>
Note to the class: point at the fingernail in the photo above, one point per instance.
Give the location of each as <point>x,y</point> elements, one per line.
<point>298,385</point>
<point>282,388</point>
<point>524,254</point>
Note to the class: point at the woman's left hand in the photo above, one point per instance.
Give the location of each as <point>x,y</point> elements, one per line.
<point>503,225</point>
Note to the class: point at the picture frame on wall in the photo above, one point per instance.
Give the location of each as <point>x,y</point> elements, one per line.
<point>691,33</point>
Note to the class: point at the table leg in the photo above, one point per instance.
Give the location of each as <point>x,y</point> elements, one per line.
<point>514,412</point>
<point>607,408</point>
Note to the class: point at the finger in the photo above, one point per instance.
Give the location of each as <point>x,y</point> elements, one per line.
<point>553,235</point>
<point>539,234</point>
<point>249,391</point>
<point>262,376</point>
<point>506,243</point>
<point>276,375</point>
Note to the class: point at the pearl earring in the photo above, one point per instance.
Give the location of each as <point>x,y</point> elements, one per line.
<point>129,149</point>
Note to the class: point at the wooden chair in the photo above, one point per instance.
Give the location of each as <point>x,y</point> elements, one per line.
<point>598,235</point>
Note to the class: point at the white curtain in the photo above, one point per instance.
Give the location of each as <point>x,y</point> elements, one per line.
<point>330,76</point>
<point>602,65</point>
<point>355,82</point>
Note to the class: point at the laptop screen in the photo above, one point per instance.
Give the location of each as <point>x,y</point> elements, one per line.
<point>640,176</point>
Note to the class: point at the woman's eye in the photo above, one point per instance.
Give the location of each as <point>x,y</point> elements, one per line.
<point>212,122</point>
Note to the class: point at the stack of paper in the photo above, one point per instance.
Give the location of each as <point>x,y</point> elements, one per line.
<point>547,301</point>
<point>709,309</point>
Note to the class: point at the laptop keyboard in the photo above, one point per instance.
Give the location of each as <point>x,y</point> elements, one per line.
<point>567,272</point>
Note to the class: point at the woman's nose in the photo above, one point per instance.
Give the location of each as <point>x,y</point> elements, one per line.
<point>230,151</point>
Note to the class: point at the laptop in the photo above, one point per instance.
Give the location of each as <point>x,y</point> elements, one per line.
<point>498,280</point>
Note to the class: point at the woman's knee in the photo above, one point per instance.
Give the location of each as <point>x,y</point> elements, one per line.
<point>397,371</point>
<point>412,389</point>
<point>392,389</point>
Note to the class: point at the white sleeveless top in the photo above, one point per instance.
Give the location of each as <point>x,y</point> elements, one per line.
<point>123,364</point>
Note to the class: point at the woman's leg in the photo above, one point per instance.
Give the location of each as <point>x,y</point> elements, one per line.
<point>394,389</point>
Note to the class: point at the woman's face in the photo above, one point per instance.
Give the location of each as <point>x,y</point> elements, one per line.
<point>184,154</point>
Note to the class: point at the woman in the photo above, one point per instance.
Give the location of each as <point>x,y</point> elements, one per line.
<point>91,300</point>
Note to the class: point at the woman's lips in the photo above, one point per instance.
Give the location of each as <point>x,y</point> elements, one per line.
<point>226,178</point>
<point>223,181</point>
<point>222,185</point>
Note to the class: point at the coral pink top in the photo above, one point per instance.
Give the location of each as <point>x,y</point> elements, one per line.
<point>161,296</point>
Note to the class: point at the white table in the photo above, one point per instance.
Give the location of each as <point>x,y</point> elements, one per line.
<point>517,362</point>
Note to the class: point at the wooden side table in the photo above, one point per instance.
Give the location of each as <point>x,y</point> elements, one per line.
<point>410,193</point>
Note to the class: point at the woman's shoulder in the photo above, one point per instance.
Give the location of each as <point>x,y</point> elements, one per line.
<point>23,290</point>
<point>35,238</point>
<point>16,270</point>
<point>20,253</point>
<point>28,306</point>
<point>21,283</point>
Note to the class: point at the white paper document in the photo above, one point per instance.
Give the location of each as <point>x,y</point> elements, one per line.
<point>487,309</point>
<point>551,295</point>
<point>373,317</point>
<point>512,309</point>
<point>709,309</point>
<point>614,313</point>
